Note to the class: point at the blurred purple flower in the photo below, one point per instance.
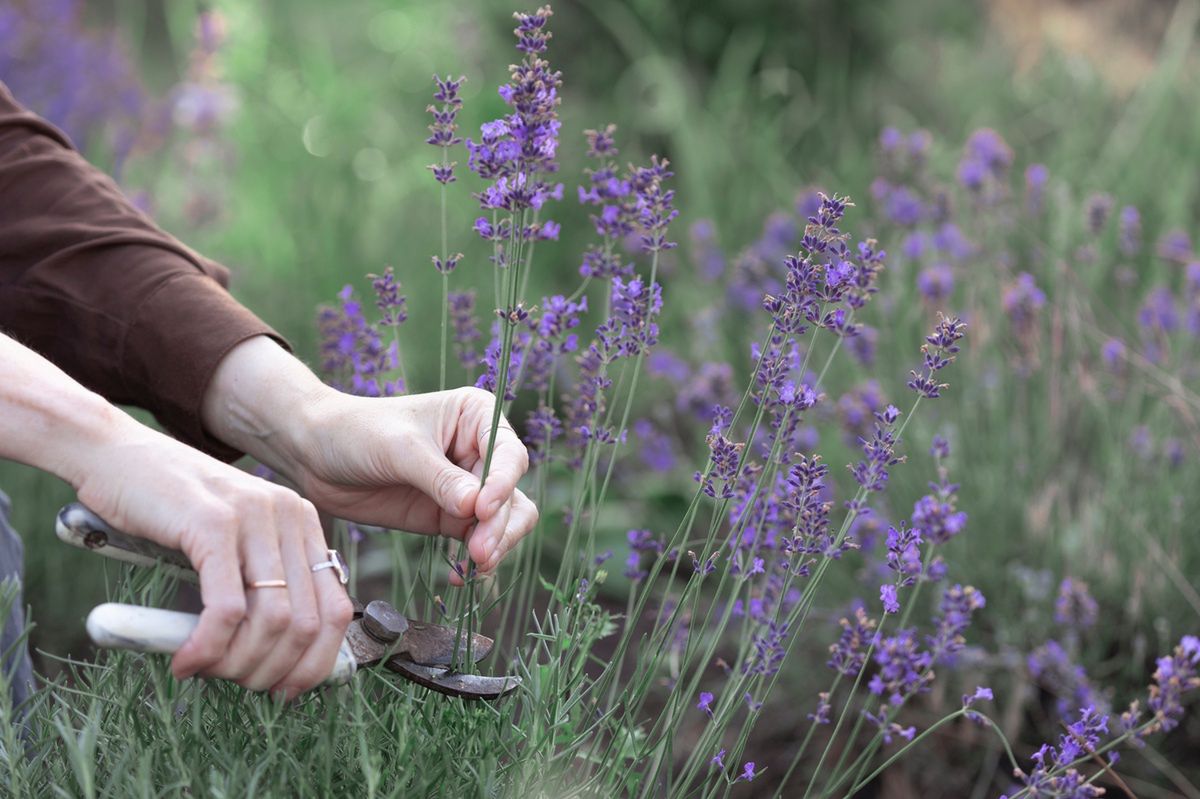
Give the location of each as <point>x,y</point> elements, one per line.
<point>936,284</point>
<point>1036,176</point>
<point>1130,236</point>
<point>1174,245</point>
<point>1075,606</point>
<point>1096,211</point>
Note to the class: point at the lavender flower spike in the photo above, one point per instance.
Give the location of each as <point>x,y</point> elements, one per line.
<point>937,352</point>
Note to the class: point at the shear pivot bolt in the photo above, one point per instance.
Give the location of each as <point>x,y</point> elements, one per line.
<point>383,622</point>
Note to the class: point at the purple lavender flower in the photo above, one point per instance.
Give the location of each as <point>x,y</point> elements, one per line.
<point>657,452</point>
<point>705,703</point>
<point>718,759</point>
<point>393,306</point>
<point>1021,301</point>
<point>1175,676</point>
<point>1114,354</point>
<point>641,542</point>
<point>904,554</point>
<point>1158,317</point>
<point>748,772</point>
<point>466,330</point>
<point>887,595</point>
<point>1096,211</point>
<point>939,447</point>
<point>849,653</point>
<point>515,151</point>
<point>863,345</point>
<point>724,457</point>
<point>442,131</point>
<point>857,410</point>
<point>889,730</point>
<point>542,428</point>
<point>447,266</point>
<point>706,252</point>
<point>1075,606</point>
<point>904,668</point>
<point>1174,245</point>
<point>1036,176</point>
<point>936,284</point>
<point>770,646</point>
<point>352,348</point>
<point>890,139</point>
<point>938,352</point>
<point>1053,774</point>
<point>654,204</point>
<point>936,514</point>
<point>950,241</point>
<point>631,328</point>
<point>985,162</point>
<point>1130,236</point>
<point>981,694</point>
<point>957,606</point>
<point>879,452</point>
<point>821,715</point>
<point>1053,669</point>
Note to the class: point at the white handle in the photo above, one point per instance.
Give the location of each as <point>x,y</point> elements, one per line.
<point>116,626</point>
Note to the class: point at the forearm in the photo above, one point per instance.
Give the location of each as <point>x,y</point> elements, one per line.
<point>47,420</point>
<point>259,400</point>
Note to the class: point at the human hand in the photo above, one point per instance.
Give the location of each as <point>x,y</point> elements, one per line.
<point>414,463</point>
<point>410,463</point>
<point>235,529</point>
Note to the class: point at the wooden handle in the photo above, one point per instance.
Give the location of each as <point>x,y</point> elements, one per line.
<point>116,626</point>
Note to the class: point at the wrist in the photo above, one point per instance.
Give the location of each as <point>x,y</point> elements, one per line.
<point>49,421</point>
<point>261,401</point>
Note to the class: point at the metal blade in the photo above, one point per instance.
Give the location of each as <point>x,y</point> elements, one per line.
<point>434,644</point>
<point>466,686</point>
<point>422,644</point>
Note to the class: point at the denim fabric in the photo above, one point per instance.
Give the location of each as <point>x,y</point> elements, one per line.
<point>11,558</point>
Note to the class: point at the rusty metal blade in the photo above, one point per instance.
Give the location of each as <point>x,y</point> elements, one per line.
<point>466,686</point>
<point>423,644</point>
<point>434,644</point>
<point>367,651</point>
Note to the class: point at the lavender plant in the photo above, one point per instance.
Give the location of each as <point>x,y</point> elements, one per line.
<point>665,644</point>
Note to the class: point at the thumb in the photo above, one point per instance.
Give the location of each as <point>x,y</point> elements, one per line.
<point>455,490</point>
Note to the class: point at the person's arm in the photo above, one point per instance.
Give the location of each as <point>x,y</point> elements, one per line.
<point>233,527</point>
<point>89,282</point>
<point>409,463</point>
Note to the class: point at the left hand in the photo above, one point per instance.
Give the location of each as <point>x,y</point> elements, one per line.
<point>409,463</point>
<point>414,463</point>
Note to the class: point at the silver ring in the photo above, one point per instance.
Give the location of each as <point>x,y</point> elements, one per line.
<point>335,562</point>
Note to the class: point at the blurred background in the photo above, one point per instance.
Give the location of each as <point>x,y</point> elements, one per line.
<point>286,140</point>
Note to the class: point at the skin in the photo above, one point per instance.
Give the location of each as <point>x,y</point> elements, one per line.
<point>407,463</point>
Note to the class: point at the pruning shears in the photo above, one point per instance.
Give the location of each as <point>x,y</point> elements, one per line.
<point>379,634</point>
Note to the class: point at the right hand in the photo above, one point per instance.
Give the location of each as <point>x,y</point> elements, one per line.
<point>235,528</point>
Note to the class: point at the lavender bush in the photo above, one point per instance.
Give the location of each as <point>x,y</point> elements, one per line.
<point>707,580</point>
<point>737,580</point>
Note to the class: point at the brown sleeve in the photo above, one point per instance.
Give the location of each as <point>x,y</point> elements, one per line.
<point>92,284</point>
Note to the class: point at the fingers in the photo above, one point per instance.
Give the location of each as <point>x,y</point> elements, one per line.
<point>510,461</point>
<point>521,521</point>
<point>285,638</point>
<point>495,538</point>
<point>482,540</point>
<point>331,615</point>
<point>303,623</point>
<point>211,543</point>
<point>454,489</point>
